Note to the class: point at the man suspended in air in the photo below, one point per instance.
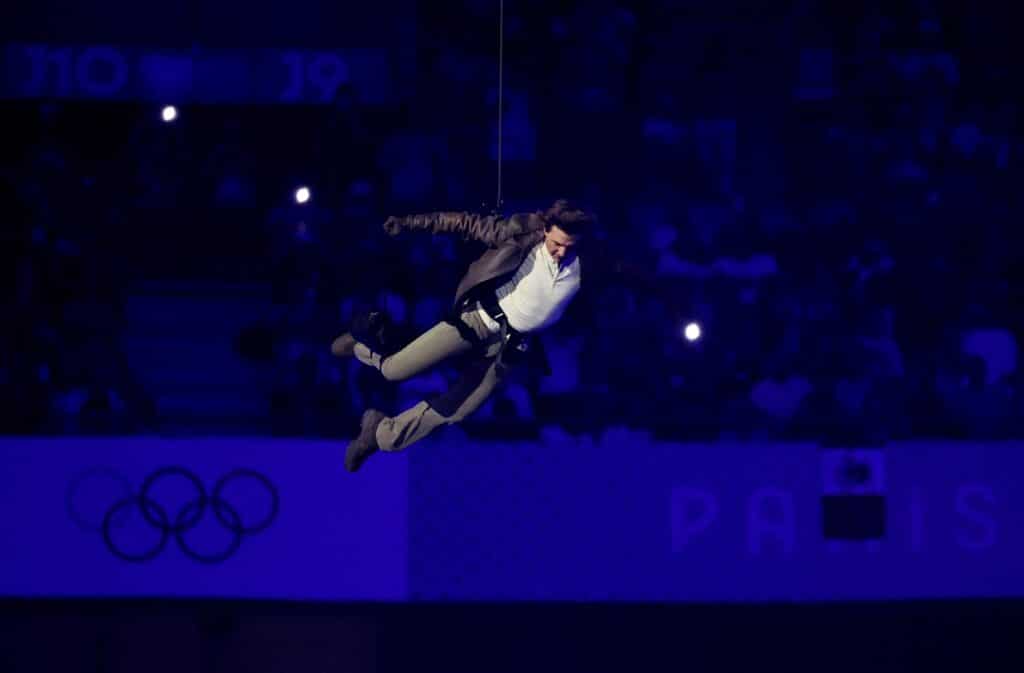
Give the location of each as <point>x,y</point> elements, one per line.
<point>521,285</point>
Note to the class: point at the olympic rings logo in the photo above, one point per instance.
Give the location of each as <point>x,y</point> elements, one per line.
<point>175,524</point>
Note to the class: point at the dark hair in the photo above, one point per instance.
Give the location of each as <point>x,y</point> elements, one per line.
<point>569,217</point>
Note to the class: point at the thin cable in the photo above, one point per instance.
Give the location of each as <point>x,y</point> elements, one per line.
<point>501,71</point>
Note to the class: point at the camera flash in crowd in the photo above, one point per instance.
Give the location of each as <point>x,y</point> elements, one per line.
<point>692,332</point>
<point>302,195</point>
<point>169,113</point>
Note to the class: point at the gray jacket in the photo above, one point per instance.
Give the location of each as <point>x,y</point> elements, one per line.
<point>508,241</point>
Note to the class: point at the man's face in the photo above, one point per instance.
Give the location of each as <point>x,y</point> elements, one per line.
<point>560,245</point>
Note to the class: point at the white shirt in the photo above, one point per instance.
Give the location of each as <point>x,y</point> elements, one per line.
<point>538,293</point>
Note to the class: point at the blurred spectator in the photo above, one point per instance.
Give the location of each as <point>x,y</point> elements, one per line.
<point>840,215</point>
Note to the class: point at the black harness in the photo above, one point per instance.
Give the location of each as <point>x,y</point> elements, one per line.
<point>513,342</point>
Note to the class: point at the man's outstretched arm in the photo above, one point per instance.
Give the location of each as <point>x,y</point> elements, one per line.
<point>490,230</point>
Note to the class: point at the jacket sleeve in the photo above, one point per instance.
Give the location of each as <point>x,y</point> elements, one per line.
<point>490,230</point>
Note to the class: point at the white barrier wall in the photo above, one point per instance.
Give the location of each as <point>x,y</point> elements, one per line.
<point>563,518</point>
<point>330,538</point>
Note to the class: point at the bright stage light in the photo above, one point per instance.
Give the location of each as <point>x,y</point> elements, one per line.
<point>302,195</point>
<point>692,332</point>
<point>169,113</point>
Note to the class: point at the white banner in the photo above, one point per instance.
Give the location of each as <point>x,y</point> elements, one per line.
<point>240,518</point>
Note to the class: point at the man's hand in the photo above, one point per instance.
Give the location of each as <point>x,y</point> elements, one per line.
<point>393,225</point>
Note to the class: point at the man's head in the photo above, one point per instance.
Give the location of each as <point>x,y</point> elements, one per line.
<point>565,226</point>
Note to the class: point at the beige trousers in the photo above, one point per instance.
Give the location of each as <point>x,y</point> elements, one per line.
<point>441,341</point>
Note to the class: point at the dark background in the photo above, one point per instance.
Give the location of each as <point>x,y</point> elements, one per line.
<point>832,190</point>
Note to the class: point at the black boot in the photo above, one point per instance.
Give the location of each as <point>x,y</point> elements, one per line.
<point>344,346</point>
<point>376,331</point>
<point>365,445</point>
